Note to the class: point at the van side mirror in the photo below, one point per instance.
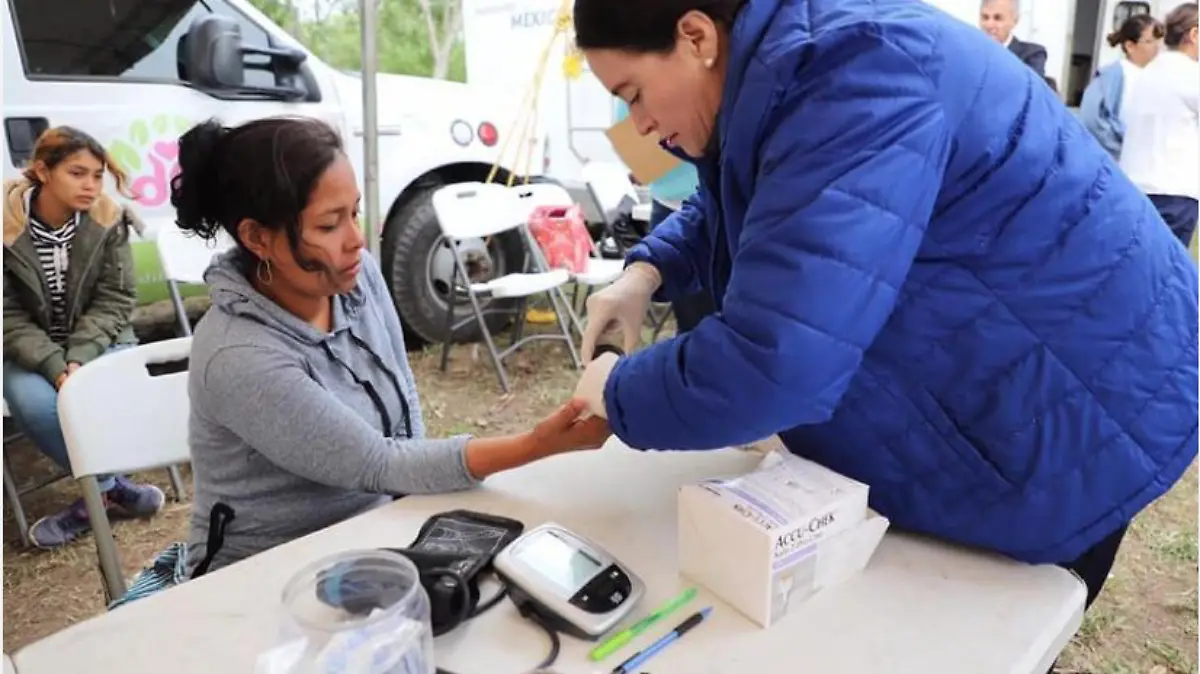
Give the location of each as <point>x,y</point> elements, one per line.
<point>215,58</point>
<point>214,53</point>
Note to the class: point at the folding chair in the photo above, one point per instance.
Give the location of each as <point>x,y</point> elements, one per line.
<point>616,198</point>
<point>478,210</point>
<point>14,492</point>
<point>145,427</point>
<point>599,271</point>
<point>642,212</point>
<point>184,259</point>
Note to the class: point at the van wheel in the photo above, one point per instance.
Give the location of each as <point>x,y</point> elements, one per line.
<point>421,272</point>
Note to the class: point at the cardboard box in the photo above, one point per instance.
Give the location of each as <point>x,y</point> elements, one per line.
<point>646,159</point>
<point>768,540</point>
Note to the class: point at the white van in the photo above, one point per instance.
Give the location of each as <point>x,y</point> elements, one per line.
<point>137,73</point>
<point>575,112</point>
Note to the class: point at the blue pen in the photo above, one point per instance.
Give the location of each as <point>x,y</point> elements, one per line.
<point>638,659</point>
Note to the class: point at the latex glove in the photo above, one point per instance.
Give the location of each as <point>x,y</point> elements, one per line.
<point>590,388</point>
<point>620,309</point>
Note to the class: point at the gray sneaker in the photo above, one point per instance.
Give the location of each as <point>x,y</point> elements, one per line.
<point>60,528</point>
<point>126,500</point>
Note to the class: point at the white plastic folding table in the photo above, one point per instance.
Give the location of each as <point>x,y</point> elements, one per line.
<point>920,607</point>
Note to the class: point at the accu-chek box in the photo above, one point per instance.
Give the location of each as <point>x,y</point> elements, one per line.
<point>767,540</point>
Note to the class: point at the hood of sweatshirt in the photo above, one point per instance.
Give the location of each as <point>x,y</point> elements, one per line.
<point>233,293</point>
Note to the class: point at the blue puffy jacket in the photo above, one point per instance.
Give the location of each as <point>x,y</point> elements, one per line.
<point>931,278</point>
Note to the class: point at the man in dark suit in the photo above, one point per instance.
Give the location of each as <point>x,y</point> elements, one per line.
<point>997,18</point>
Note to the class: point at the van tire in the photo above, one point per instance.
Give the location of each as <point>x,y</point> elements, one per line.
<point>409,236</point>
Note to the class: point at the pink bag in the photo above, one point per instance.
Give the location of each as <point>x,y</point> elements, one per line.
<point>563,237</point>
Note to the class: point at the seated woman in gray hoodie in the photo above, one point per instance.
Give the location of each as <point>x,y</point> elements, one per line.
<point>304,409</point>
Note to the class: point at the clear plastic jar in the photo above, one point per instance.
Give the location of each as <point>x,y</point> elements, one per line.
<point>359,612</point>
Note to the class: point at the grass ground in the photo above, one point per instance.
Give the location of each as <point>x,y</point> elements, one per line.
<point>1144,623</point>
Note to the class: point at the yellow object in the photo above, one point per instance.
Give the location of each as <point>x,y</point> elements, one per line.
<point>562,22</point>
<point>573,64</point>
<point>539,316</point>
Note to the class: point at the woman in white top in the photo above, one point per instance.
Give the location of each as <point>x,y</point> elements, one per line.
<point>1161,152</point>
<point>1139,38</point>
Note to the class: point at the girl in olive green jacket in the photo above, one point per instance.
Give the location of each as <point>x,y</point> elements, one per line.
<point>69,297</point>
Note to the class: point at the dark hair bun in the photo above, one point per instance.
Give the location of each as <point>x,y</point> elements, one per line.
<point>194,192</point>
<point>1115,38</point>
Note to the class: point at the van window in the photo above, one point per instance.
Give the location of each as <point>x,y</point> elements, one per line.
<point>1125,10</point>
<point>125,39</point>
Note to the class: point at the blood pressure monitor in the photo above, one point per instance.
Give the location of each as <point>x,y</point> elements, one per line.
<point>572,584</point>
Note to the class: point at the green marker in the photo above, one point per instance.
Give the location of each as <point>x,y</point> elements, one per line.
<point>625,636</point>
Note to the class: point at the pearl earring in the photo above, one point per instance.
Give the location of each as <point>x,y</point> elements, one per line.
<point>708,63</point>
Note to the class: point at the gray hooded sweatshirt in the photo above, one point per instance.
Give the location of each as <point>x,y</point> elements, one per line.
<point>296,429</point>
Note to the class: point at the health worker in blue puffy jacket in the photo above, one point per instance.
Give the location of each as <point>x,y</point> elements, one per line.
<point>928,275</point>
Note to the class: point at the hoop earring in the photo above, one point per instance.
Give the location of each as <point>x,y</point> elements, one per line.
<point>263,272</point>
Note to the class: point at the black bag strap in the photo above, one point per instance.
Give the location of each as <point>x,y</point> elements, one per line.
<point>218,518</point>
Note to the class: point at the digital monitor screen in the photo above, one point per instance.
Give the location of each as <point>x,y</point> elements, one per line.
<point>559,561</point>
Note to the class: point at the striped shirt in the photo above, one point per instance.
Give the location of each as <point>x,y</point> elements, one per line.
<point>54,252</point>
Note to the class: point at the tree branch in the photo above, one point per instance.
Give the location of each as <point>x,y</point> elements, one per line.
<point>451,25</point>
<point>430,26</point>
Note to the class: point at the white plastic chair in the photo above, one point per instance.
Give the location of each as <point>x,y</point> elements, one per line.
<point>615,197</point>
<point>613,194</point>
<point>184,259</point>
<point>599,271</point>
<point>478,210</point>
<point>142,428</point>
<point>13,492</point>
<point>642,212</point>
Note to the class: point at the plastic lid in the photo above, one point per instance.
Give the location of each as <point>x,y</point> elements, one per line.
<point>354,589</point>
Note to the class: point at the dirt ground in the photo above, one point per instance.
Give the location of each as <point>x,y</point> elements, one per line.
<point>1144,623</point>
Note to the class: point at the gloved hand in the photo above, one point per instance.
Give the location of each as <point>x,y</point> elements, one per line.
<point>590,388</point>
<point>620,309</point>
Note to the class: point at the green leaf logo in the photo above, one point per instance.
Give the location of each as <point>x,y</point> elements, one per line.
<point>125,156</point>
<point>128,153</point>
<point>139,134</point>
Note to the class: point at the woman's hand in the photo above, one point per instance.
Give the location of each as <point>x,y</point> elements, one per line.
<point>562,431</point>
<point>565,431</point>
<point>61,379</point>
<point>620,309</point>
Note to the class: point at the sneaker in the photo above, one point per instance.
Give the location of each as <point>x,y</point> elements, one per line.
<point>125,500</point>
<point>128,499</point>
<point>60,528</point>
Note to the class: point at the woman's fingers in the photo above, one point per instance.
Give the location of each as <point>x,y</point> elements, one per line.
<point>571,411</point>
<point>591,335</point>
<point>589,433</point>
<point>561,419</point>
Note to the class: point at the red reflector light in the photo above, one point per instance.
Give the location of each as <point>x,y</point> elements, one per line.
<point>488,135</point>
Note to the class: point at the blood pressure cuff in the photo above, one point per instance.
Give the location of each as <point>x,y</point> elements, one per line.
<point>451,552</point>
